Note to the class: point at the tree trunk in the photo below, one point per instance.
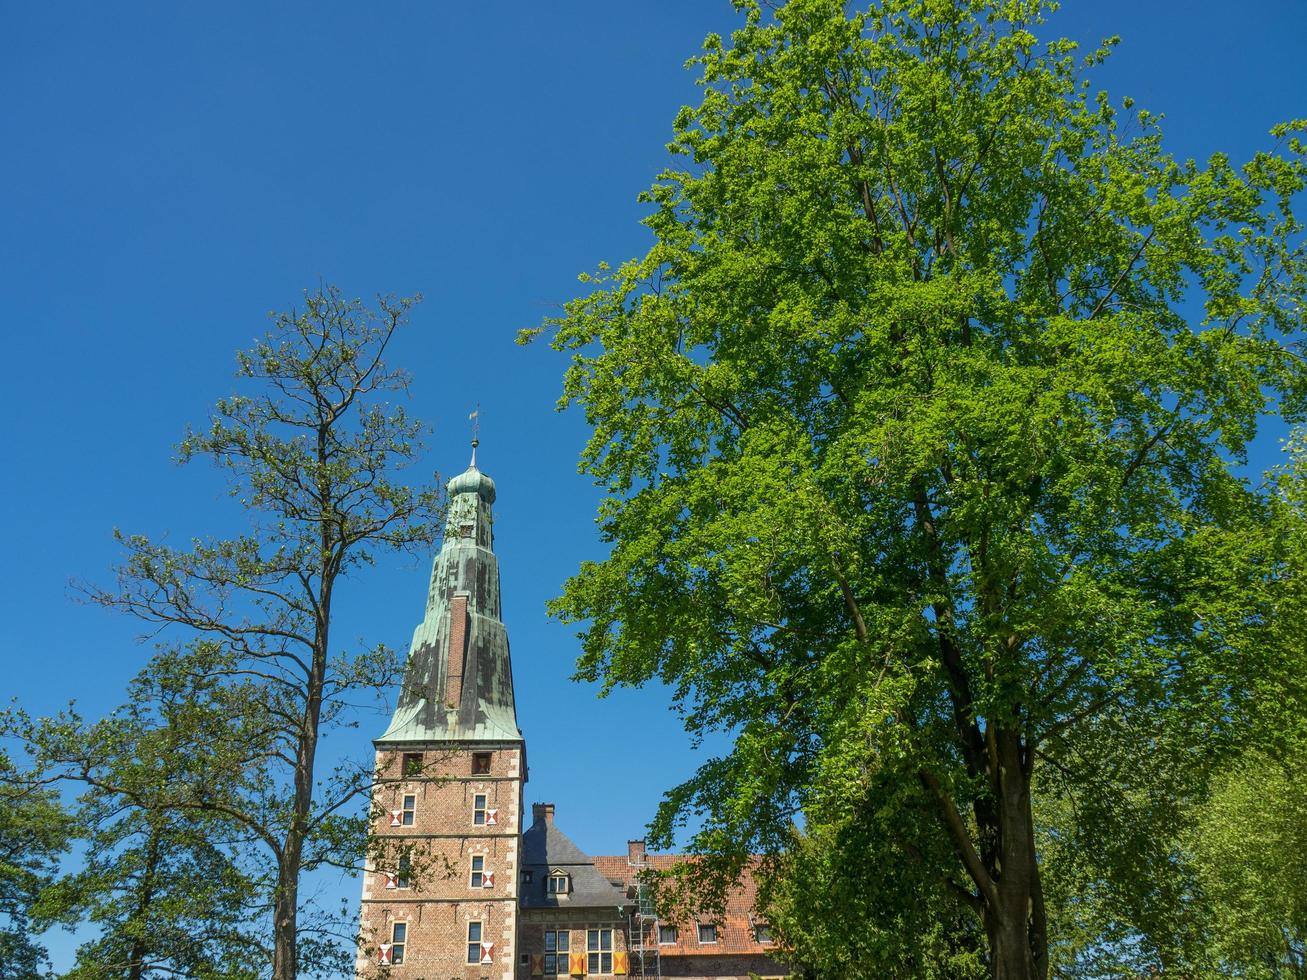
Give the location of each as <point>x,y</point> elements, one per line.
<point>286,906</point>
<point>1014,919</point>
<point>145,898</point>
<point>285,928</point>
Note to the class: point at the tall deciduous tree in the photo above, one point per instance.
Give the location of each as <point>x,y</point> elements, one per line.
<point>312,452</point>
<point>919,423</point>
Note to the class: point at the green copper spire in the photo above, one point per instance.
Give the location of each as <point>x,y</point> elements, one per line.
<point>458,683</point>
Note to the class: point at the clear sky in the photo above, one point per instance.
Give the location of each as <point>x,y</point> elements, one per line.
<point>171,172</point>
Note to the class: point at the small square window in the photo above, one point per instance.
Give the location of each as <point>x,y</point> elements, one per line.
<point>707,932</point>
<point>762,933</point>
<point>410,806</point>
<point>666,935</point>
<point>412,764</point>
<point>474,942</point>
<point>478,870</point>
<point>398,940</point>
<point>480,763</point>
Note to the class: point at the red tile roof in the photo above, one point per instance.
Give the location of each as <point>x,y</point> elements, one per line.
<point>735,933</point>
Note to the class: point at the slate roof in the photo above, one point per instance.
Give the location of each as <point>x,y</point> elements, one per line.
<point>466,565</point>
<point>546,848</point>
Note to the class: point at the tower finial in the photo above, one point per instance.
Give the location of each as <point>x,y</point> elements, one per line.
<point>475,418</point>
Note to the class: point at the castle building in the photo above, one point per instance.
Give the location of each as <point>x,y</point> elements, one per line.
<point>457,886</point>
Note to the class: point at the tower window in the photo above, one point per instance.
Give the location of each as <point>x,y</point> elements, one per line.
<point>479,809</point>
<point>405,869</point>
<point>480,763</point>
<point>474,942</point>
<point>398,940</point>
<point>409,810</point>
<point>412,765</point>
<point>478,870</point>
<point>599,950</point>
<point>557,945</point>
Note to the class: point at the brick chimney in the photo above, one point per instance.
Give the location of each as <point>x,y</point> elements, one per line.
<point>542,813</point>
<point>635,853</point>
<point>457,648</point>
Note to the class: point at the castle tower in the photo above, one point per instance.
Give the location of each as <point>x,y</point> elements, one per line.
<point>440,893</point>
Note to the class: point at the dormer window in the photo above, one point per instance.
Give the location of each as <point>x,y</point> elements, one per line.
<point>560,882</point>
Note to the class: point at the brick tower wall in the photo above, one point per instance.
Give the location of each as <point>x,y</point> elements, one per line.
<point>442,838</point>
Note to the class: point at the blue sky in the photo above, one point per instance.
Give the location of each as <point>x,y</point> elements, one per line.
<point>171,172</point>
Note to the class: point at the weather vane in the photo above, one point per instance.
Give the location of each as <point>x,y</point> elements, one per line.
<point>475,418</point>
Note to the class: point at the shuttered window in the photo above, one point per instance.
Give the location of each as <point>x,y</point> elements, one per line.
<point>558,944</point>
<point>599,950</point>
<point>474,942</point>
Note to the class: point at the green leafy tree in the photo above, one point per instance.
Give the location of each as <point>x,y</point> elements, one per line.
<point>161,873</point>
<point>34,833</point>
<point>313,452</point>
<point>1249,840</point>
<point>919,424</point>
<point>836,913</point>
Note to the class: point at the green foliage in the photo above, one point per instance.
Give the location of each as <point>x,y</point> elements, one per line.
<point>162,873</point>
<point>920,423</point>
<point>837,913</point>
<point>34,834</point>
<point>1250,848</point>
<point>1249,839</point>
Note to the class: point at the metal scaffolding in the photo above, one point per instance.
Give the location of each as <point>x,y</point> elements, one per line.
<point>642,931</point>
